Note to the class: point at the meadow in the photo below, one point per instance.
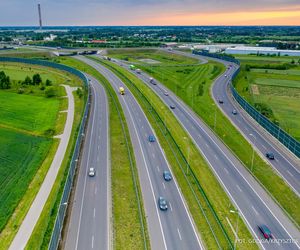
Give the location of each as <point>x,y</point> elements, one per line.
<point>279,89</point>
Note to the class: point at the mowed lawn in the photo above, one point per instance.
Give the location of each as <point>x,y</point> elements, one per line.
<point>34,114</point>
<point>156,57</point>
<point>279,89</point>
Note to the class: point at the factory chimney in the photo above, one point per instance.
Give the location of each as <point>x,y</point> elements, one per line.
<point>40,16</point>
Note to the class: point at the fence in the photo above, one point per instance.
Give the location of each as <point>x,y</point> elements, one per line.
<point>56,233</point>
<point>210,215</point>
<point>287,140</point>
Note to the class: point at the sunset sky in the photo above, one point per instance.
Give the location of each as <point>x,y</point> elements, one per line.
<point>151,12</point>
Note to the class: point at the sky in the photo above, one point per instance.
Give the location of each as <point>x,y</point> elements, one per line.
<point>150,12</point>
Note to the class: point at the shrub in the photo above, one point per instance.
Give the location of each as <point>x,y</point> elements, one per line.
<point>50,92</point>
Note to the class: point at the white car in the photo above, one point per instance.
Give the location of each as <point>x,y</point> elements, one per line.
<point>92,172</point>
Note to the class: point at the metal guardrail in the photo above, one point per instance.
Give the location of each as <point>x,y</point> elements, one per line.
<point>56,233</point>
<point>287,140</point>
<point>184,164</point>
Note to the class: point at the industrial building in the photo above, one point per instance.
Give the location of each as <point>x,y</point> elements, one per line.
<point>261,51</point>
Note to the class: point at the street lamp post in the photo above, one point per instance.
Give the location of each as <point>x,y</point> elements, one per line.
<point>237,226</point>
<point>252,159</point>
<point>188,155</point>
<point>215,121</point>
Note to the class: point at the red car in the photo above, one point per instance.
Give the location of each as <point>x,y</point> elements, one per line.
<point>266,232</point>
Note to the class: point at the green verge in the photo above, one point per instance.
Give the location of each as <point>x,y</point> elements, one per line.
<point>204,106</point>
<point>217,197</point>
<point>129,224</point>
<point>41,235</point>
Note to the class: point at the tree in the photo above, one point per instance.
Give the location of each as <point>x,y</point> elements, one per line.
<point>4,81</point>
<point>48,82</point>
<point>27,81</point>
<point>200,90</point>
<point>36,79</point>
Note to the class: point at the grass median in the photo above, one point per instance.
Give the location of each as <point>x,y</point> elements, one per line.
<point>211,233</point>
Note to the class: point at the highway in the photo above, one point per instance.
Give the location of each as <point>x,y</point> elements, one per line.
<point>285,164</point>
<point>89,225</point>
<point>172,229</point>
<point>253,203</point>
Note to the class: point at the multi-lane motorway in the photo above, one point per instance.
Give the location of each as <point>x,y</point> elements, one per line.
<point>253,203</point>
<point>285,164</point>
<point>171,229</point>
<point>89,225</point>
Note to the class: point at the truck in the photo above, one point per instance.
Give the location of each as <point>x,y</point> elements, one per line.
<point>122,91</point>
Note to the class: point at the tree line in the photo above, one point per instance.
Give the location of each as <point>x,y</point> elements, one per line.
<point>4,81</point>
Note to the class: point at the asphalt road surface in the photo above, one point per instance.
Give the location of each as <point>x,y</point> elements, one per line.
<point>253,203</point>
<point>89,226</point>
<point>171,229</point>
<point>285,164</point>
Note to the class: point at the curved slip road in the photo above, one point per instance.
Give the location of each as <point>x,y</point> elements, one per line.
<point>32,216</point>
<point>89,226</point>
<point>253,203</point>
<point>172,229</point>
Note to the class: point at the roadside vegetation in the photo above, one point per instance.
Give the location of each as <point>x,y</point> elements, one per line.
<point>270,81</point>
<point>129,224</point>
<point>28,122</point>
<point>217,197</point>
<point>193,87</point>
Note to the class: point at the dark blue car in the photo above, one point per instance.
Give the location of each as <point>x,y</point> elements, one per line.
<point>151,138</point>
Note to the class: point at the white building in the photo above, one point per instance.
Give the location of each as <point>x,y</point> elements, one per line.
<point>261,50</point>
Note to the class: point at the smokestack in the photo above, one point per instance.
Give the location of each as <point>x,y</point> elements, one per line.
<point>40,16</point>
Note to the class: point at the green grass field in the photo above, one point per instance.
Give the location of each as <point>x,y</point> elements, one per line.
<point>278,88</point>
<point>266,59</point>
<point>21,155</point>
<point>158,57</point>
<point>204,106</point>
<point>26,152</point>
<point>33,114</point>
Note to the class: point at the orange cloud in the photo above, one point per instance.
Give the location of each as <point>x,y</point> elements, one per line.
<point>283,17</point>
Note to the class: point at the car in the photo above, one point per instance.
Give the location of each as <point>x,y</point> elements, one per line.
<point>220,101</point>
<point>162,203</point>
<point>172,106</point>
<point>234,112</point>
<point>225,75</point>
<point>266,232</point>
<point>151,138</point>
<point>92,172</point>
<point>270,155</point>
<point>167,175</point>
<point>166,93</point>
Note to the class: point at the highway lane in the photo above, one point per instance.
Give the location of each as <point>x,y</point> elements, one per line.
<point>172,229</point>
<point>253,203</point>
<point>285,164</point>
<point>89,226</point>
